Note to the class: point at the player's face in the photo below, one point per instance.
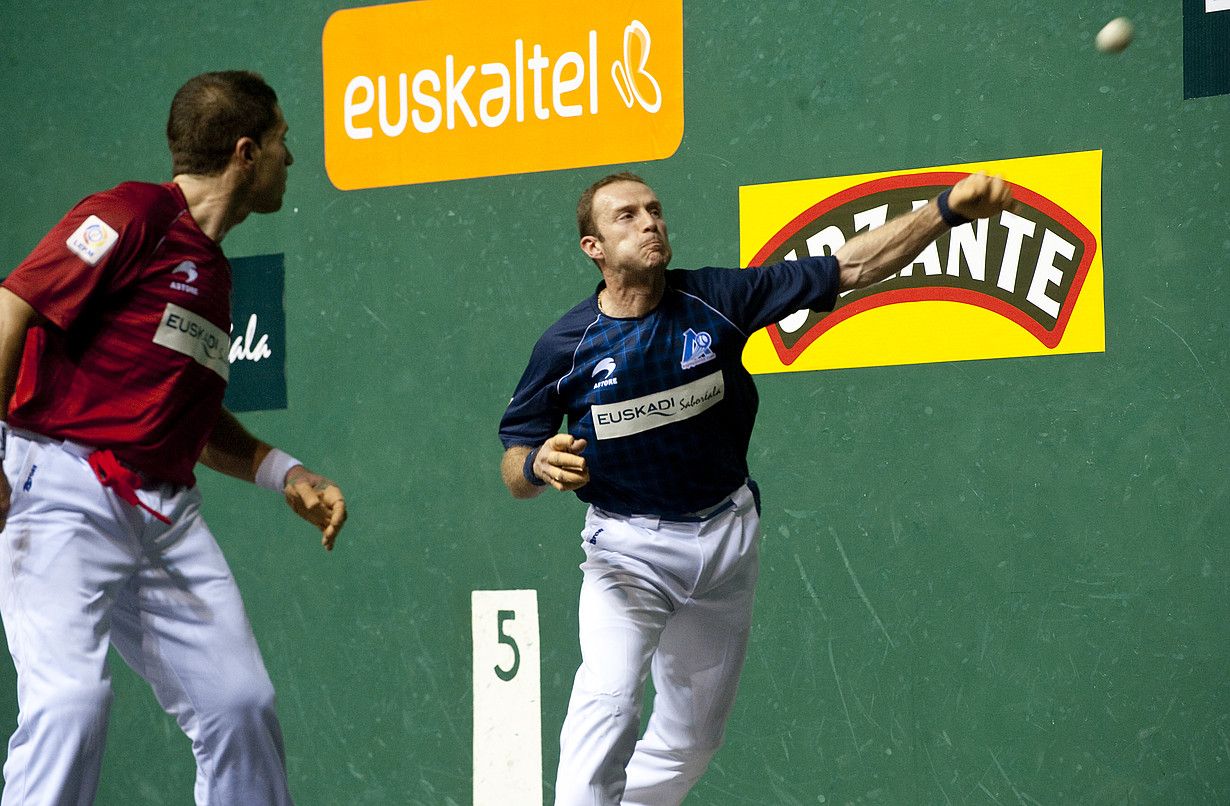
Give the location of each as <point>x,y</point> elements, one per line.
<point>272,160</point>
<point>632,233</point>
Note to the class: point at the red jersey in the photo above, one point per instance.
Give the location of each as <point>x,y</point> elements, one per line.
<point>134,355</point>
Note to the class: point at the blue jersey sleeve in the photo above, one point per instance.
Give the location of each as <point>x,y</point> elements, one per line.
<point>753,298</point>
<point>535,412</point>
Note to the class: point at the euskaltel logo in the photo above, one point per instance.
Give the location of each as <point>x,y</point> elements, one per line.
<point>1027,264</point>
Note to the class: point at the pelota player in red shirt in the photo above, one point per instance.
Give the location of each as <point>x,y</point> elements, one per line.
<point>114,347</point>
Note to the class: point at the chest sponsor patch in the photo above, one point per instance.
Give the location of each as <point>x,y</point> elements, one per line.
<point>613,420</point>
<point>196,337</point>
<point>92,240</point>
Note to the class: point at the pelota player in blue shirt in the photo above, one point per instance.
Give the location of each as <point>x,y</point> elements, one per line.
<point>648,373</point>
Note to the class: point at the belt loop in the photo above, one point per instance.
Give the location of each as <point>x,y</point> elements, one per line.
<point>754,489</point>
<point>77,449</point>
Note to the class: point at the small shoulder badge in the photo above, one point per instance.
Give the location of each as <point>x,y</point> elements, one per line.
<point>92,240</point>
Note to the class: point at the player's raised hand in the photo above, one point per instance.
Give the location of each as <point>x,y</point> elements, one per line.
<point>560,464</point>
<point>318,501</point>
<point>980,196</point>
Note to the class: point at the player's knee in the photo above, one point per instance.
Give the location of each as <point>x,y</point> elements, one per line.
<point>684,754</point>
<point>696,760</point>
<point>618,708</point>
<point>76,703</point>
<point>706,743</point>
<point>690,763</point>
<point>618,696</point>
<point>660,775</point>
<point>240,701</point>
<point>687,751</point>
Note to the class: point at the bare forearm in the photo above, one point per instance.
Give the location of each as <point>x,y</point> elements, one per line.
<point>16,316</point>
<point>881,253</point>
<point>511,471</point>
<point>316,499</point>
<point>876,255</point>
<point>232,450</point>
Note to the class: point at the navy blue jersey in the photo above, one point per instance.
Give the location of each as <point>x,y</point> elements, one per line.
<point>662,400</point>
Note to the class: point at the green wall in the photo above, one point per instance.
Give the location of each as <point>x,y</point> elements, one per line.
<point>1043,540</point>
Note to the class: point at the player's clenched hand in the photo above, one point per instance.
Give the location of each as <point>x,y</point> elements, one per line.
<point>980,196</point>
<point>560,464</point>
<point>318,501</point>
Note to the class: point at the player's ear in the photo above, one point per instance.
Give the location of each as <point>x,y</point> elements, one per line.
<point>245,150</point>
<point>592,247</point>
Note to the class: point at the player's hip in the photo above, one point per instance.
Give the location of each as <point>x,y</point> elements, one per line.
<point>688,556</point>
<point>53,479</point>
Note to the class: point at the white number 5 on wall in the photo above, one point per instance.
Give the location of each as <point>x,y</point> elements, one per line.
<point>507,699</point>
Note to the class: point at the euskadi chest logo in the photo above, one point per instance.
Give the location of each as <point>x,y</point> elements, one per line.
<point>1025,282</point>
<point>436,90</point>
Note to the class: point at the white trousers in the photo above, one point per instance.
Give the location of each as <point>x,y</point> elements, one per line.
<point>81,570</point>
<point>675,598</point>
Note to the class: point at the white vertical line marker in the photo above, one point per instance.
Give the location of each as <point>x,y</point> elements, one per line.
<point>507,698</point>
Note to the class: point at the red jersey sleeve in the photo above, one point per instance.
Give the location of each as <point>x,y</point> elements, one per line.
<point>91,251</point>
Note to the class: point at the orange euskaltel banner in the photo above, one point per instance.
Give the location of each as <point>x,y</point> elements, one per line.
<point>1026,282</point>
<point>435,90</point>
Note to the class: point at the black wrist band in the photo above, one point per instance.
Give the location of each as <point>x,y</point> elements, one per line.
<point>951,218</point>
<point>528,469</point>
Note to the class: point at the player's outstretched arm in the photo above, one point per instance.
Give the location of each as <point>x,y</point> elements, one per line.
<point>16,316</point>
<point>557,462</point>
<point>316,499</point>
<point>873,256</point>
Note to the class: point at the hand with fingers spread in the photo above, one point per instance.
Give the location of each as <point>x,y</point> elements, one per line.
<point>318,501</point>
<point>560,464</point>
<point>980,196</point>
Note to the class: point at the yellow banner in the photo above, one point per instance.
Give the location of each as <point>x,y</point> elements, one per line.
<point>1026,282</point>
<point>436,90</point>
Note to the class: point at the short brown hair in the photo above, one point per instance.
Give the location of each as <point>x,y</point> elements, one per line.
<point>211,113</point>
<point>585,206</point>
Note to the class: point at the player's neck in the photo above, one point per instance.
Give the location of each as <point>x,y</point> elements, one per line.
<point>212,203</point>
<point>624,297</point>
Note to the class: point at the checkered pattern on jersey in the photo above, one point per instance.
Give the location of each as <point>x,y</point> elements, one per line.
<point>681,466</point>
<point>588,359</point>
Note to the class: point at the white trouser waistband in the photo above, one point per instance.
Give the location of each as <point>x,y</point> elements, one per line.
<point>83,451</point>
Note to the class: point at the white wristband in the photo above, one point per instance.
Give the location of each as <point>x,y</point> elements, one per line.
<point>273,469</point>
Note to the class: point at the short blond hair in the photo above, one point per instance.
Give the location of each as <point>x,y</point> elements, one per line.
<point>585,205</point>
